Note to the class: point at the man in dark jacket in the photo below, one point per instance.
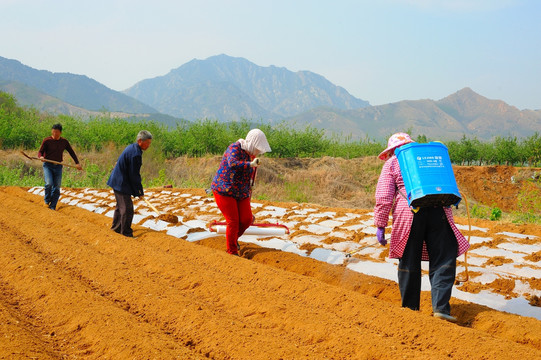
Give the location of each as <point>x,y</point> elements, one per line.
<point>126,182</point>
<point>52,148</point>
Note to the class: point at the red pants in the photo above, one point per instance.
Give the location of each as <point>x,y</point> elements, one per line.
<point>238,217</point>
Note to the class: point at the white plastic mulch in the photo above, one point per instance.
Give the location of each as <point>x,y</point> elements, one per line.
<point>311,226</point>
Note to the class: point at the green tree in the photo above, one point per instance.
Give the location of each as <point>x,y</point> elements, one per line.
<point>532,149</point>
<point>421,139</point>
<point>469,150</point>
<point>8,103</point>
<point>486,153</point>
<point>506,150</point>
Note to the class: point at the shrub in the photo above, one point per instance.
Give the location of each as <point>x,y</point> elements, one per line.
<point>495,214</point>
<point>19,175</point>
<point>26,127</point>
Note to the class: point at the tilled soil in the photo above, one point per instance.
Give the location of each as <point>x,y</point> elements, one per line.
<point>70,288</point>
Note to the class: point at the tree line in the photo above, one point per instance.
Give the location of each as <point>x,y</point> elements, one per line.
<point>25,127</point>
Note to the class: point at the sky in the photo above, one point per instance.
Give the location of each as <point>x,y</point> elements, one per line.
<point>380,51</point>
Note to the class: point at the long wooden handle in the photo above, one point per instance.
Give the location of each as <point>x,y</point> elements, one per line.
<point>152,207</point>
<point>47,160</point>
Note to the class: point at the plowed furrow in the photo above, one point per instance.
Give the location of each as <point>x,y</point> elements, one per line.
<point>81,322</point>
<point>21,338</point>
<point>104,295</point>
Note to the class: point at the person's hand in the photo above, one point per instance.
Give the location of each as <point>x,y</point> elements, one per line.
<point>79,167</point>
<point>380,234</point>
<point>255,163</point>
<point>42,158</point>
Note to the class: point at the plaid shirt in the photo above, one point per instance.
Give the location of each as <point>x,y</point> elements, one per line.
<point>389,199</point>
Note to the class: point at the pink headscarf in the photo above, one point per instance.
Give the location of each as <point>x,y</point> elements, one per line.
<point>255,140</point>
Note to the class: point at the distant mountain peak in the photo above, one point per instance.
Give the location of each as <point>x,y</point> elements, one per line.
<point>230,88</point>
<point>465,93</point>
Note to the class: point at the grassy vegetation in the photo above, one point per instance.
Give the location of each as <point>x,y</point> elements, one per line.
<point>529,201</point>
<point>19,175</point>
<point>486,212</point>
<point>25,128</point>
<point>304,166</point>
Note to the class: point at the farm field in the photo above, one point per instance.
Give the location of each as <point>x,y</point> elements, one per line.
<point>73,289</point>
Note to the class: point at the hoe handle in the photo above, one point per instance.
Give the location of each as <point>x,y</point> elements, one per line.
<point>152,206</point>
<point>47,160</point>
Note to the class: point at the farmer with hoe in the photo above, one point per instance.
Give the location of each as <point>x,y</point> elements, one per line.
<point>426,233</point>
<point>52,148</point>
<point>232,185</point>
<point>125,180</point>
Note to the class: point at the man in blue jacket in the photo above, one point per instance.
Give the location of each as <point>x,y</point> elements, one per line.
<point>126,182</point>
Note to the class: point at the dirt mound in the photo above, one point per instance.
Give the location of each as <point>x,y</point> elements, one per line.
<point>169,218</point>
<point>72,288</point>
<point>495,186</point>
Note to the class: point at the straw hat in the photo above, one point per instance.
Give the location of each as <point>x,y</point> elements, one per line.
<point>395,141</point>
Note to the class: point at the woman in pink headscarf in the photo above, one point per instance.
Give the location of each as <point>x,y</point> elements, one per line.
<point>232,185</point>
<point>427,234</point>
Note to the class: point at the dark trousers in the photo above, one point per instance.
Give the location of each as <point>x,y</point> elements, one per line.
<point>123,215</point>
<point>430,226</point>
<point>53,180</point>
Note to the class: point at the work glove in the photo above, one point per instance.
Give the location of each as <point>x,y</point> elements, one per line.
<point>380,234</point>
<point>255,163</point>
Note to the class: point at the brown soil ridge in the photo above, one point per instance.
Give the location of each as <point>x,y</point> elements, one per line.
<point>72,288</point>
<point>496,185</point>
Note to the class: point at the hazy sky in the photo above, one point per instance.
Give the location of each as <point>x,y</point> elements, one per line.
<point>381,51</point>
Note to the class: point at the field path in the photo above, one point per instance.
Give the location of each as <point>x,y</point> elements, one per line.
<point>73,289</point>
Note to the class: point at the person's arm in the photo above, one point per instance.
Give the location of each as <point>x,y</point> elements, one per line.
<point>385,194</point>
<point>42,149</point>
<point>235,159</point>
<point>73,156</point>
<point>134,175</point>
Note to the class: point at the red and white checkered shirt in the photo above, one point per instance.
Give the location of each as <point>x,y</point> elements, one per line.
<point>388,199</point>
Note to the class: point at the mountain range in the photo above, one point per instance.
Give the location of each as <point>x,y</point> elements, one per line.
<point>229,89</point>
<point>462,113</point>
<point>76,90</point>
<point>234,87</point>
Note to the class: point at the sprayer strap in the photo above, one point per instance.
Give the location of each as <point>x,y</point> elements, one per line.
<point>401,193</point>
<point>414,209</point>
